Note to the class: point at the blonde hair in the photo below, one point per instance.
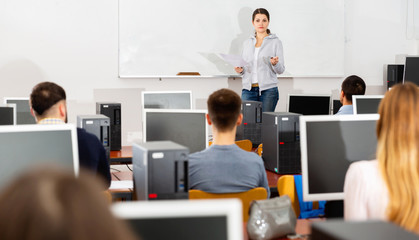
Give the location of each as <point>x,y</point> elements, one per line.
<point>398,155</point>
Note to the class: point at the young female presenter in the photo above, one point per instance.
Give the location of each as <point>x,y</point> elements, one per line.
<point>264,54</point>
<point>387,188</point>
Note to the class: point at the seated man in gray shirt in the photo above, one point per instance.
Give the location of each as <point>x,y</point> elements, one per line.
<point>352,85</point>
<point>224,167</point>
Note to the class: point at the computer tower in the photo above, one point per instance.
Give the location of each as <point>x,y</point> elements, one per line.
<point>113,111</point>
<point>251,126</point>
<point>281,142</point>
<point>160,170</point>
<point>98,125</point>
<point>394,74</point>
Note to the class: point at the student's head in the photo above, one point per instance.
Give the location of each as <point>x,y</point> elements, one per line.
<point>48,100</point>
<point>398,153</point>
<point>52,204</point>
<point>260,20</point>
<point>224,110</point>
<point>352,85</point>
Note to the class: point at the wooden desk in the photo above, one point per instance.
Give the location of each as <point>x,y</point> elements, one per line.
<point>121,173</point>
<point>122,156</point>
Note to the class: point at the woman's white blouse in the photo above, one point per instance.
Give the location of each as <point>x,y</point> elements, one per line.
<point>366,195</point>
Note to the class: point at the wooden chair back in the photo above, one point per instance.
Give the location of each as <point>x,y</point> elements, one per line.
<point>247,197</point>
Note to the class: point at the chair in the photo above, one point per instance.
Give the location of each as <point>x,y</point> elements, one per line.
<point>247,197</point>
<point>243,144</point>
<point>260,150</point>
<point>286,186</point>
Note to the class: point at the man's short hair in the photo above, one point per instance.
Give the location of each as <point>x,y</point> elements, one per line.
<point>224,109</point>
<point>353,85</point>
<point>45,95</point>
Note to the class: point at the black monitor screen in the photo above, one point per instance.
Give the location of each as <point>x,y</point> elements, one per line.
<point>309,105</point>
<point>23,112</point>
<point>185,228</point>
<point>6,116</point>
<point>185,128</point>
<point>411,70</point>
<point>336,106</point>
<point>367,105</point>
<point>175,100</point>
<point>332,146</point>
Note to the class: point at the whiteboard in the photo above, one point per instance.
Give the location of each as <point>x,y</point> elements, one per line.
<point>161,38</point>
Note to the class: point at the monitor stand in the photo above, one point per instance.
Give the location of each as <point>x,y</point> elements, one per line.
<point>334,209</point>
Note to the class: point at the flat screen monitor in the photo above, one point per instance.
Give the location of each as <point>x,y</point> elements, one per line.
<point>411,70</point>
<point>366,104</point>
<point>8,114</point>
<point>329,144</point>
<point>336,106</point>
<point>184,219</point>
<point>309,104</point>
<point>23,111</point>
<point>185,127</point>
<point>27,146</point>
<point>166,100</point>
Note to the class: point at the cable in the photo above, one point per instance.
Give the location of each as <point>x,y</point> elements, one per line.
<point>128,167</point>
<point>116,177</point>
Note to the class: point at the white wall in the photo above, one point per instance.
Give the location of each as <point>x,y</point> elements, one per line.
<point>75,44</point>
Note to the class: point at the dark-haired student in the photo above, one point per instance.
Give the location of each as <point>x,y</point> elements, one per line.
<point>48,106</point>
<point>224,167</point>
<point>352,85</point>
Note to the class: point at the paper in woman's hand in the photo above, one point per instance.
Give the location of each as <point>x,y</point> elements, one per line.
<point>234,60</point>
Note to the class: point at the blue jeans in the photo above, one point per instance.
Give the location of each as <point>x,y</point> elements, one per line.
<point>268,97</point>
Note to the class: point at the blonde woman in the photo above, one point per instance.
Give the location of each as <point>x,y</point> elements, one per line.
<point>388,188</point>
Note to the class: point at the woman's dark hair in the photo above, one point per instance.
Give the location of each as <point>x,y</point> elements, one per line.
<point>264,12</point>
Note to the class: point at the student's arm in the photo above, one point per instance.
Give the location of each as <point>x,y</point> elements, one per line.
<point>355,206</point>
<point>103,168</point>
<point>264,180</point>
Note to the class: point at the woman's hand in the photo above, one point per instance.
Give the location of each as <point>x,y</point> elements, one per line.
<point>238,70</point>
<point>274,60</point>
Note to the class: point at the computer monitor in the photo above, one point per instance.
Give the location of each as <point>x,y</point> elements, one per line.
<point>184,219</point>
<point>166,99</point>
<point>27,146</point>
<point>309,104</point>
<point>186,127</point>
<point>336,106</point>
<point>329,144</point>
<point>8,114</point>
<point>23,111</point>
<point>411,70</point>
<point>366,104</point>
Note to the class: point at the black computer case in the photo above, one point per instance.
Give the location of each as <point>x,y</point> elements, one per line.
<point>113,111</point>
<point>251,126</point>
<point>394,74</point>
<point>281,142</point>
